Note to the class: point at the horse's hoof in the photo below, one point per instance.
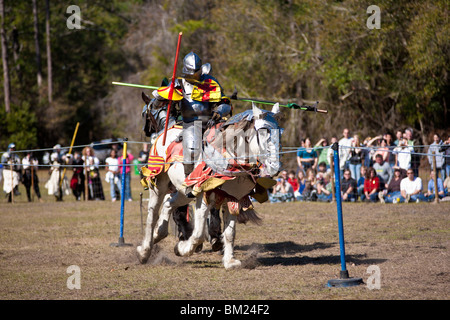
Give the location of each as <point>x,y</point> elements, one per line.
<point>233,263</point>
<point>199,248</point>
<point>142,259</point>
<point>176,251</point>
<point>216,244</point>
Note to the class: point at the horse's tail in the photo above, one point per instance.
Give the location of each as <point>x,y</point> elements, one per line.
<point>249,215</point>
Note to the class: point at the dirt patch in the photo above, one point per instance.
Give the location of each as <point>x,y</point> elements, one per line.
<point>292,255</point>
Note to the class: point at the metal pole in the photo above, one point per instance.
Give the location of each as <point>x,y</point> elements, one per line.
<point>344,280</point>
<point>122,198</point>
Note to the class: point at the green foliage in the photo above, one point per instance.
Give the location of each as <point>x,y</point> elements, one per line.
<point>288,51</point>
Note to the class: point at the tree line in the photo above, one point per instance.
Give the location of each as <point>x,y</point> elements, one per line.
<point>370,80</point>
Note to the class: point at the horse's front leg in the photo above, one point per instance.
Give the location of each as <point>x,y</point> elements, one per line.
<point>170,203</point>
<point>228,237</point>
<point>187,247</point>
<point>145,249</point>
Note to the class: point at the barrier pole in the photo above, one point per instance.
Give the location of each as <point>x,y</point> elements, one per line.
<point>344,280</point>
<point>121,242</point>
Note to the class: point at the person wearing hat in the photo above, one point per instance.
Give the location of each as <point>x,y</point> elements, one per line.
<point>392,193</point>
<point>12,171</point>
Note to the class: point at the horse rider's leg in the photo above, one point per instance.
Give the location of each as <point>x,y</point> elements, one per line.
<point>215,230</point>
<point>187,248</point>
<point>170,203</point>
<point>228,237</point>
<point>156,196</point>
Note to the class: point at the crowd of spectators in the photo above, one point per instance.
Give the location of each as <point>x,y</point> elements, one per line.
<point>78,173</point>
<point>379,169</point>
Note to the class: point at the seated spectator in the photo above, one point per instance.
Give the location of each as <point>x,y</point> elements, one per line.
<point>323,187</point>
<point>447,189</point>
<point>371,185</point>
<point>411,188</point>
<point>348,187</point>
<point>360,183</point>
<point>309,192</point>
<point>445,149</point>
<point>282,192</point>
<point>392,192</point>
<point>301,186</point>
<point>431,194</point>
<point>384,171</point>
<point>293,181</point>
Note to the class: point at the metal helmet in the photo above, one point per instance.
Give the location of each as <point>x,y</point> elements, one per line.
<point>11,146</point>
<point>192,65</point>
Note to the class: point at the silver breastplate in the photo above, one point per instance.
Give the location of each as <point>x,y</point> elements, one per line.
<point>192,110</point>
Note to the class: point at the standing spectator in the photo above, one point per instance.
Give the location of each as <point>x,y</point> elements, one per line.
<point>128,161</point>
<point>112,175</point>
<point>371,185</point>
<point>445,149</point>
<point>91,164</point>
<point>30,178</point>
<point>77,181</point>
<point>435,148</point>
<point>382,150</point>
<point>392,192</point>
<point>415,157</point>
<point>307,157</point>
<point>12,172</point>
<point>368,151</point>
<point>345,143</point>
<point>399,136</point>
<point>384,171</point>
<point>403,154</point>
<point>431,194</point>
<point>411,188</point>
<point>355,161</point>
<point>348,187</point>
<point>55,185</point>
<point>321,148</point>
<point>390,145</point>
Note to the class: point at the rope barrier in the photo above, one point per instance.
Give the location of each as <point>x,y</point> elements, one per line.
<point>289,150</point>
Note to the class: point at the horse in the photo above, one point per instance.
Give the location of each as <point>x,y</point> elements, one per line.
<point>239,157</point>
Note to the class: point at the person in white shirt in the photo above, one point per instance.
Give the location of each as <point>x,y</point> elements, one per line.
<point>112,175</point>
<point>345,145</point>
<point>411,188</point>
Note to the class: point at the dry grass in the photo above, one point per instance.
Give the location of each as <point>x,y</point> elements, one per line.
<point>290,256</point>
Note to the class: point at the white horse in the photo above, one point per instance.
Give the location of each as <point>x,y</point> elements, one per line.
<point>258,144</point>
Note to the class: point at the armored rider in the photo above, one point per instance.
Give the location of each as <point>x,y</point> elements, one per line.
<point>200,102</point>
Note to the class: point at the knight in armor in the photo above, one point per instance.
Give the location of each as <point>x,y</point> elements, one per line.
<point>200,103</point>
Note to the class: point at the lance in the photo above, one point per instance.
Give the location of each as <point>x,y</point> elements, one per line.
<point>172,85</point>
<point>234,97</point>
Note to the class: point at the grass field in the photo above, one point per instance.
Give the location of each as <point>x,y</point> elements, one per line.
<point>291,256</point>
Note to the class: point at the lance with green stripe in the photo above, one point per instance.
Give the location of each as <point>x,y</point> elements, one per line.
<point>234,97</point>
